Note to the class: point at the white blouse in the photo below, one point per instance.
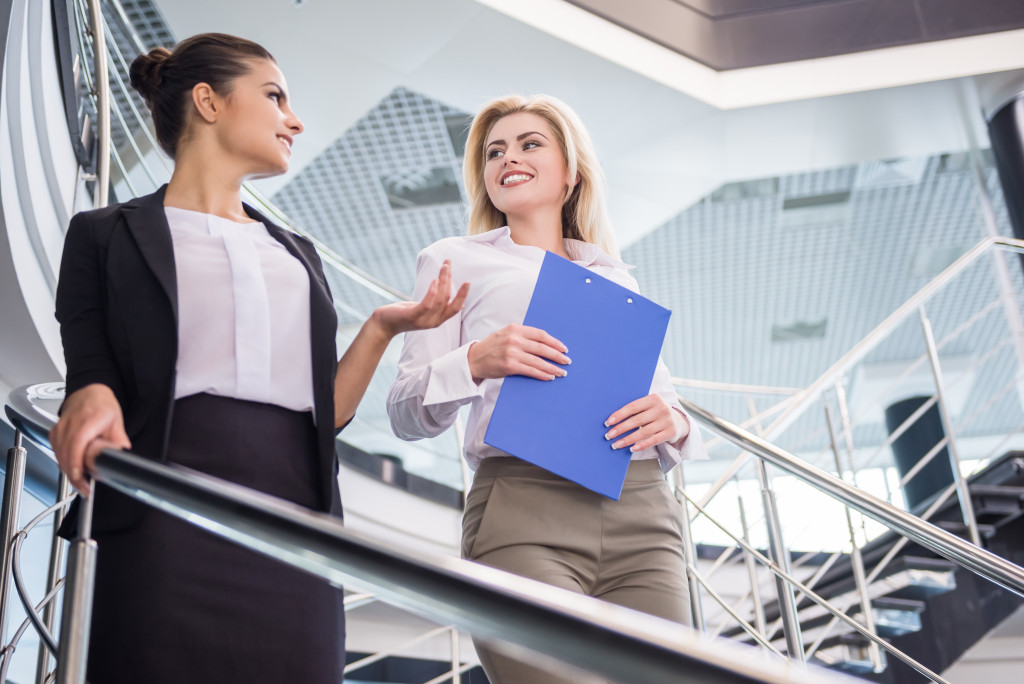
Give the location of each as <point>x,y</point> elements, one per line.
<point>434,380</point>
<point>243,312</point>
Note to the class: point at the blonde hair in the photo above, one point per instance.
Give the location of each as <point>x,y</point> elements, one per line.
<point>584,216</point>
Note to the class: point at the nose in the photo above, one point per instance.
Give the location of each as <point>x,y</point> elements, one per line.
<point>294,123</point>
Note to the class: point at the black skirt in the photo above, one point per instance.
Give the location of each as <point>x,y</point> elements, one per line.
<point>175,604</point>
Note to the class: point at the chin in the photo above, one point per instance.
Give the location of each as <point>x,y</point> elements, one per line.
<point>270,172</point>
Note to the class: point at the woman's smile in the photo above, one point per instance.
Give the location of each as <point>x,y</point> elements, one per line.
<point>515,178</point>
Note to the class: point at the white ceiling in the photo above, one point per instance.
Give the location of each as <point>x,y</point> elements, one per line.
<point>662,149</point>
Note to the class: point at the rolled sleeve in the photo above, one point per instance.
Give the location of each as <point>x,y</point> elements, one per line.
<point>449,379</point>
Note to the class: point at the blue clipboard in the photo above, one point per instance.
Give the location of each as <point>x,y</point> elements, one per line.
<point>614,338</point>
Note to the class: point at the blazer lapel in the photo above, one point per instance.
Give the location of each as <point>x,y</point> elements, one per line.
<point>323,318</point>
<point>147,222</point>
<point>301,251</point>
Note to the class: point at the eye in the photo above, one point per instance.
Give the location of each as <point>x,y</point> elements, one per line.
<point>531,144</point>
<point>494,153</point>
<point>276,96</point>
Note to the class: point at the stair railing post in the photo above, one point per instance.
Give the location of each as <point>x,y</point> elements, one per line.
<point>689,553</point>
<point>14,483</point>
<point>856,559</point>
<point>102,86</point>
<point>73,649</point>
<point>966,506</point>
<point>456,660</point>
<point>780,556</point>
<point>755,587</point>
<point>53,575</point>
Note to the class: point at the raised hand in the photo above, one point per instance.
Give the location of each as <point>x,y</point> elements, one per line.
<point>435,308</point>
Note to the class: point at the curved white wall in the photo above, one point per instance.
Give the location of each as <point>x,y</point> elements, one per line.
<point>39,183</point>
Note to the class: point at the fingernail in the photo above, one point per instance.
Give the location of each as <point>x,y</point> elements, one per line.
<point>567,361</point>
<point>609,434</point>
<point>635,448</point>
<point>562,373</point>
<point>608,423</point>
<point>617,445</point>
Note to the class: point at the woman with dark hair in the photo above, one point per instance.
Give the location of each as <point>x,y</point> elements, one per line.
<point>197,331</point>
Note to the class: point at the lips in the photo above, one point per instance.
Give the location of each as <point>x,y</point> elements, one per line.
<point>515,178</point>
<point>287,140</point>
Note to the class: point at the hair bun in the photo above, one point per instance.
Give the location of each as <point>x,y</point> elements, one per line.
<point>146,74</point>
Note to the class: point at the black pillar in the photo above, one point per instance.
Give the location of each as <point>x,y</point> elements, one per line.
<point>912,445</point>
<point>1006,132</point>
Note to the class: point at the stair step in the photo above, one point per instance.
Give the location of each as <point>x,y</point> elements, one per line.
<point>997,504</point>
<point>893,617</point>
<point>907,579</point>
<point>959,528</point>
<point>847,653</point>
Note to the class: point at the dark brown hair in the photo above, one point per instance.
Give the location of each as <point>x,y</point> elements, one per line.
<point>165,78</point>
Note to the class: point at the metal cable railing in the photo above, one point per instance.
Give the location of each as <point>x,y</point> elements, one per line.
<point>943,543</point>
<point>914,529</point>
<point>842,436</point>
<point>864,630</point>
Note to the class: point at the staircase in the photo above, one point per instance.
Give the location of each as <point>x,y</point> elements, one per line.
<point>923,605</point>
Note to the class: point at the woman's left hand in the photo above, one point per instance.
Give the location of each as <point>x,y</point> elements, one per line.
<point>655,422</point>
<point>435,308</point>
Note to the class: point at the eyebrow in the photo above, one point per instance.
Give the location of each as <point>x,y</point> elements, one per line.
<point>278,86</point>
<point>518,137</point>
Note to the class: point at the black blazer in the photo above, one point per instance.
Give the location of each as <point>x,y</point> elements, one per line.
<point>117,304</point>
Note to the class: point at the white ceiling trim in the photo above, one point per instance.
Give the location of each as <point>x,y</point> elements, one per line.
<point>772,84</point>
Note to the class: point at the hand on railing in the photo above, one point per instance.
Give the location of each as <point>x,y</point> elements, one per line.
<point>90,421</point>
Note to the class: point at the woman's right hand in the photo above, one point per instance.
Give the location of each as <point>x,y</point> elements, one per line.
<point>518,350</point>
<point>90,421</point>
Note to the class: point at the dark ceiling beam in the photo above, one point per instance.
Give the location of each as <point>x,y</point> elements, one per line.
<point>734,34</point>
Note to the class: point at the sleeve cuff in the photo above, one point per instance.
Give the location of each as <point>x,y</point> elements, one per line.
<point>450,379</point>
<point>678,439</point>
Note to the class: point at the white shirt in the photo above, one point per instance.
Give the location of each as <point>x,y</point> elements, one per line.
<point>243,313</point>
<point>434,379</point>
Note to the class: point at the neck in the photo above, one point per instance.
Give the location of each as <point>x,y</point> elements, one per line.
<point>202,184</point>
<point>534,230</point>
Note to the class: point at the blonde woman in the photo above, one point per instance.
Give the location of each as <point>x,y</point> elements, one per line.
<point>534,185</point>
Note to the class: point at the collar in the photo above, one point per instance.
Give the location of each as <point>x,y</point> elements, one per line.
<point>585,254</point>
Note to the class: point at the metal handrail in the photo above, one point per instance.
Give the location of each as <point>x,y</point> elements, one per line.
<point>587,633</point>
<point>583,632</point>
<point>974,558</point>
<point>733,387</point>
